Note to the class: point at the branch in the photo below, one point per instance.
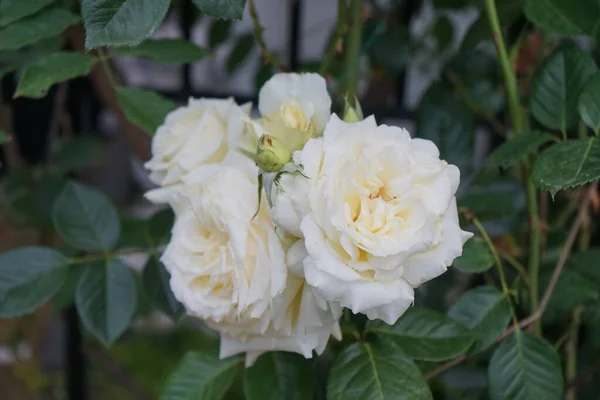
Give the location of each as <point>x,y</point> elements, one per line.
<point>336,41</point>
<point>258,30</point>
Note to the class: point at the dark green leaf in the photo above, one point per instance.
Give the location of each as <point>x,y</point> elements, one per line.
<point>424,334</point>
<point>227,9</point>
<point>4,137</point>
<point>29,277</point>
<point>30,54</point>
<point>567,164</point>
<point>80,152</point>
<point>133,233</point>
<point>443,119</point>
<point>279,375</point>
<point>375,371</point>
<point>160,225</point>
<point>477,33</point>
<point>13,10</point>
<point>485,311</point>
<point>144,108</point>
<point>106,299</point>
<point>121,22</point>
<point>39,77</point>
<point>586,263</point>
<point>66,295</point>
<point>525,367</point>
<point>572,289</point>
<point>391,50</point>
<point>156,284</point>
<point>240,52</point>
<point>200,376</point>
<point>165,51</point>
<point>489,205</point>
<point>219,31</point>
<point>517,148</point>
<point>563,17</point>
<point>443,32</point>
<point>37,27</point>
<point>589,104</point>
<point>85,218</point>
<point>557,83</point>
<point>476,256</point>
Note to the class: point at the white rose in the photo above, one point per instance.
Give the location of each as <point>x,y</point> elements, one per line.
<point>377,213</point>
<point>230,269</point>
<point>206,131</point>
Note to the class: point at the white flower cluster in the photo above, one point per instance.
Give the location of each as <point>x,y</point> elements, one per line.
<point>367,215</point>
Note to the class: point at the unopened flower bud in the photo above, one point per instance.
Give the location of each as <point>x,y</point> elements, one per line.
<point>352,112</point>
<point>271,154</point>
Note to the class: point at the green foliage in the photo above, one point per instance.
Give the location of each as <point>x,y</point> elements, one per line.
<point>517,148</point>
<point>241,50</point>
<point>227,9</point>
<point>525,367</point>
<point>106,299</point>
<point>557,84</point>
<point>13,10</point>
<point>144,108</point>
<point>443,31</point>
<point>425,334</point>
<point>218,33</point>
<point>29,277</point>
<point>564,17</point>
<point>567,164</point>
<point>4,137</point>
<point>476,256</point>
<point>589,104</point>
<point>85,218</point>
<point>201,376</point>
<point>39,77</point>
<point>380,370</point>
<point>279,375</point>
<point>80,152</point>
<point>573,289</point>
<point>165,51</point>
<point>120,22</point>
<point>156,283</point>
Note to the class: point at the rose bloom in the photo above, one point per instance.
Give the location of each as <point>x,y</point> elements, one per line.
<point>377,212</point>
<point>230,269</point>
<point>206,131</point>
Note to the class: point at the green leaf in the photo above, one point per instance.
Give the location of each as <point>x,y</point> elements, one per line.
<point>106,298</point>
<point>375,371</point>
<point>37,27</point>
<point>85,218</point>
<point>30,54</point>
<point>489,205</point>
<point>572,289</point>
<point>517,148</point>
<point>65,297</point>
<point>200,376</point>
<point>165,51</point>
<point>525,367</point>
<point>13,10</point>
<point>279,375</point>
<point>120,22</point>
<point>563,17</point>
<point>4,137</point>
<point>160,225</point>
<point>557,83</point>
<point>476,256</point>
<point>144,108</point>
<point>586,263</point>
<point>227,9</point>
<point>156,284</point>
<point>29,277</point>
<point>485,311</point>
<point>391,49</point>
<point>589,104</point>
<point>424,334</point>
<point>567,164</point>
<point>240,52</point>
<point>443,119</point>
<point>443,32</point>
<point>39,77</point>
<point>218,33</point>
<point>82,151</point>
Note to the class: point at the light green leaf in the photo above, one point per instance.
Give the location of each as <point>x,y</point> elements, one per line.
<point>241,50</point>
<point>424,334</point>
<point>227,9</point>
<point>279,375</point>
<point>82,151</point>
<point>589,104</point>
<point>485,311</point>
<point>572,289</point>
<point>121,22</point>
<point>156,284</point>
<point>39,77</point>
<point>557,83</point>
<point>563,17</point>
<point>200,376</point>
<point>37,27</point>
<point>218,33</point>
<point>476,256</point>
<point>375,371</point>
<point>567,164</point>
<point>165,51</point>
<point>525,367</point>
<point>517,148</point>
<point>106,298</point>
<point>144,108</point>
<point>13,10</point>
<point>29,277</point>
<point>85,218</point>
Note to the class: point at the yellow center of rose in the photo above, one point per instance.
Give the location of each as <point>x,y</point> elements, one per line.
<point>293,117</point>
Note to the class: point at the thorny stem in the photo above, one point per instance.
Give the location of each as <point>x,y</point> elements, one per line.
<point>268,58</point>
<point>353,46</point>
<point>336,40</point>
<point>104,61</point>
<point>571,353</point>
<point>517,266</point>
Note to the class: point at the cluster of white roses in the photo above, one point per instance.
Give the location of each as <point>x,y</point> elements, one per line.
<point>365,215</point>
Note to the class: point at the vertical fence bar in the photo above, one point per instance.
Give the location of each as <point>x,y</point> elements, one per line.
<point>75,368</point>
<point>295,36</point>
<point>186,21</point>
